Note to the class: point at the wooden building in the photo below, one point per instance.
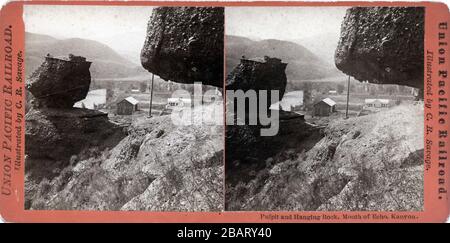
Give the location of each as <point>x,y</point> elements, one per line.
<point>127,106</point>
<point>324,107</point>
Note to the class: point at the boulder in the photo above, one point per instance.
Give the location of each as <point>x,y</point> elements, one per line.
<point>59,83</point>
<point>383,45</point>
<point>244,142</point>
<point>185,44</point>
<point>259,74</point>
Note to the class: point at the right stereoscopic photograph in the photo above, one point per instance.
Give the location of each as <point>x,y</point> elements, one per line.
<point>324,108</point>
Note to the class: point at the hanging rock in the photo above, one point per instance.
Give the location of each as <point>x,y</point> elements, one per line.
<point>383,45</point>
<point>185,44</point>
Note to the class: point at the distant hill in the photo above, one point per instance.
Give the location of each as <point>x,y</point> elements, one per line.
<point>35,39</point>
<point>322,45</point>
<point>106,63</point>
<point>302,63</point>
<point>134,39</point>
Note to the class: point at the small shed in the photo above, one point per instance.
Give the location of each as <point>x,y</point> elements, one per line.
<point>127,106</point>
<point>324,107</point>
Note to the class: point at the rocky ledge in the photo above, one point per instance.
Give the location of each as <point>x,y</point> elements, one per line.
<point>60,133</point>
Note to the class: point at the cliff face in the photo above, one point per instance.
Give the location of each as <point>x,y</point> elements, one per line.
<point>185,44</point>
<point>59,83</point>
<point>383,45</point>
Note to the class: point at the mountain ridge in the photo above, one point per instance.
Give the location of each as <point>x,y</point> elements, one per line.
<point>106,62</point>
<point>302,63</point>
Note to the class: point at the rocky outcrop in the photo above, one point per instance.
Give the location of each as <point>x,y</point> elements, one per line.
<point>383,45</point>
<point>58,134</point>
<point>372,163</point>
<point>259,74</point>
<point>158,166</point>
<point>59,83</point>
<point>244,142</point>
<point>185,44</point>
<point>54,129</point>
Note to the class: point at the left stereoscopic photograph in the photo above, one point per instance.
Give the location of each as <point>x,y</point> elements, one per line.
<point>124,108</point>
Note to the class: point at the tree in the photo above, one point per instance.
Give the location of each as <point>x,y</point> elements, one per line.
<point>109,94</point>
<point>306,87</point>
<point>143,86</point>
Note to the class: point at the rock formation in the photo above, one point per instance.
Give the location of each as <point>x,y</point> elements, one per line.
<point>259,74</point>
<point>59,83</point>
<point>158,166</point>
<point>56,134</point>
<point>372,162</point>
<point>244,142</point>
<point>76,159</point>
<point>185,44</point>
<point>368,163</point>
<point>383,45</point>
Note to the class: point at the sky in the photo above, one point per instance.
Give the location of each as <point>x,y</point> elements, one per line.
<point>283,23</point>
<point>123,28</point>
<point>316,28</point>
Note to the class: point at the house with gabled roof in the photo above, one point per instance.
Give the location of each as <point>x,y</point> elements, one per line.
<point>324,107</point>
<point>127,106</point>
